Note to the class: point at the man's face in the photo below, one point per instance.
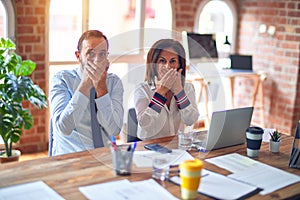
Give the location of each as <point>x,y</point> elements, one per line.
<point>94,50</point>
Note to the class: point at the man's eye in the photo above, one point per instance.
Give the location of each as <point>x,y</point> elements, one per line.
<point>102,54</point>
<point>92,54</point>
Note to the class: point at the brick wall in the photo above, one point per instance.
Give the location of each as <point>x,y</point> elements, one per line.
<point>277,55</point>
<point>31,44</point>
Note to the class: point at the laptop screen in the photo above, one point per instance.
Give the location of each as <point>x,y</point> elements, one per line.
<point>241,62</point>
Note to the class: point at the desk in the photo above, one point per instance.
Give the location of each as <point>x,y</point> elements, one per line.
<point>206,79</point>
<point>66,173</point>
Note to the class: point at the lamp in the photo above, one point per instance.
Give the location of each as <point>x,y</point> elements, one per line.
<point>226,40</point>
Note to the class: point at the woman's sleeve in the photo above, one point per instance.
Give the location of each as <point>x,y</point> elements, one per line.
<point>150,113</point>
<point>187,105</point>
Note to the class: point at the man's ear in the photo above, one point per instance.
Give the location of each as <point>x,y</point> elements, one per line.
<point>77,54</point>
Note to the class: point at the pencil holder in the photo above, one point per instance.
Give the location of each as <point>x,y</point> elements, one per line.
<point>122,159</point>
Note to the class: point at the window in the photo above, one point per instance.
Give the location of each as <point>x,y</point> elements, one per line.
<point>7,19</point>
<point>218,17</point>
<point>123,21</point>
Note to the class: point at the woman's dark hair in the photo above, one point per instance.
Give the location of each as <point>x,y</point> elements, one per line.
<point>90,33</point>
<point>153,55</point>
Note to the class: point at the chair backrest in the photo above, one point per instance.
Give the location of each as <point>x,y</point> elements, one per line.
<point>50,145</point>
<point>132,126</point>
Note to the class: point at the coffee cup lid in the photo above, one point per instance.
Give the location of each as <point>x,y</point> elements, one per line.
<point>192,165</point>
<point>255,130</point>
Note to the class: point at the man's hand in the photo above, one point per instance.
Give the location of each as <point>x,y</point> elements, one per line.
<point>97,72</point>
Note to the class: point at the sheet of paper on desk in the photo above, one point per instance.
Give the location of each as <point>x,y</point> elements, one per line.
<point>256,173</point>
<point>221,187</point>
<point>126,190</point>
<point>233,162</point>
<point>144,158</point>
<point>29,191</point>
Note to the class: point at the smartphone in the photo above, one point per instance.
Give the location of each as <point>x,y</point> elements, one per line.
<point>158,148</point>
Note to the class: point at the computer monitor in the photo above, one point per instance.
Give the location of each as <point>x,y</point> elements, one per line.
<point>199,46</point>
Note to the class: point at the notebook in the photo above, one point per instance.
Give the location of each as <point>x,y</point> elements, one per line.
<point>227,128</point>
<point>241,62</point>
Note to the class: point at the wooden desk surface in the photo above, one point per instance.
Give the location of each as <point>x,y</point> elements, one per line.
<point>68,172</point>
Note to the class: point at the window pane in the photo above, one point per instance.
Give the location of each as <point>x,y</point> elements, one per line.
<point>3,19</point>
<point>66,28</point>
<point>216,17</point>
<point>115,18</point>
<point>120,23</point>
<point>158,21</point>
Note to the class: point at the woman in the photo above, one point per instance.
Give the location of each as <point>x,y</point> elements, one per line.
<point>164,102</point>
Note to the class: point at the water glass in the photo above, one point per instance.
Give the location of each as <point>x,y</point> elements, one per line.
<point>185,140</point>
<point>160,167</point>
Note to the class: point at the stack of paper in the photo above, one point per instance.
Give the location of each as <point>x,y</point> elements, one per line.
<point>144,158</point>
<point>221,187</point>
<point>126,190</point>
<point>29,191</point>
<point>255,173</point>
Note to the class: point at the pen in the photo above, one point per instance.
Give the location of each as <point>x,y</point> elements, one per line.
<point>113,143</point>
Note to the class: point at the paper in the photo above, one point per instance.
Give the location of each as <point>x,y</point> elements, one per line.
<point>29,191</point>
<point>144,158</point>
<point>233,162</point>
<point>125,190</point>
<point>255,173</point>
<point>266,177</point>
<point>221,187</point>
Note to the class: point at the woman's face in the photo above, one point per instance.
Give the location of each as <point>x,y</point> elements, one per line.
<point>167,59</point>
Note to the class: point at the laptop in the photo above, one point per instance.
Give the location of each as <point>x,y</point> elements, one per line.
<point>227,128</point>
<point>241,62</point>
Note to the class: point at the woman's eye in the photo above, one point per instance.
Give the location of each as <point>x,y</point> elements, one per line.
<point>173,61</point>
<point>162,61</point>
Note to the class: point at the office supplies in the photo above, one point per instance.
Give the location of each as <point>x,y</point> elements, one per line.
<point>158,148</point>
<point>227,128</point>
<point>122,159</point>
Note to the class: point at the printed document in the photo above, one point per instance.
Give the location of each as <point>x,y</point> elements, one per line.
<point>255,173</point>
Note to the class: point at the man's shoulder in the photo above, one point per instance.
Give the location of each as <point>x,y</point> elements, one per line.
<point>66,73</point>
<point>113,77</point>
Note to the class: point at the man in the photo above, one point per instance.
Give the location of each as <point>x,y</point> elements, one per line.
<point>71,126</point>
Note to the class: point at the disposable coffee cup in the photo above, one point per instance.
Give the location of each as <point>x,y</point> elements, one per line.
<point>254,136</point>
<point>190,176</point>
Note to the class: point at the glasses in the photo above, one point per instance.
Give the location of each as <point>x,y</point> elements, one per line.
<point>100,54</point>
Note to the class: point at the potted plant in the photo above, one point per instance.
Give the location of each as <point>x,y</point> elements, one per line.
<point>275,141</point>
<point>16,87</point>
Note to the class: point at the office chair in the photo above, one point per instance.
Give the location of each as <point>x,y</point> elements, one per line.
<point>50,145</point>
<point>132,126</point>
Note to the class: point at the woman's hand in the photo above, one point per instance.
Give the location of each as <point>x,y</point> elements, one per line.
<point>177,86</point>
<point>166,82</point>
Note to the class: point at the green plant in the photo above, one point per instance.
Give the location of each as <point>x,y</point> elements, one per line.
<point>16,87</point>
<point>275,136</point>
